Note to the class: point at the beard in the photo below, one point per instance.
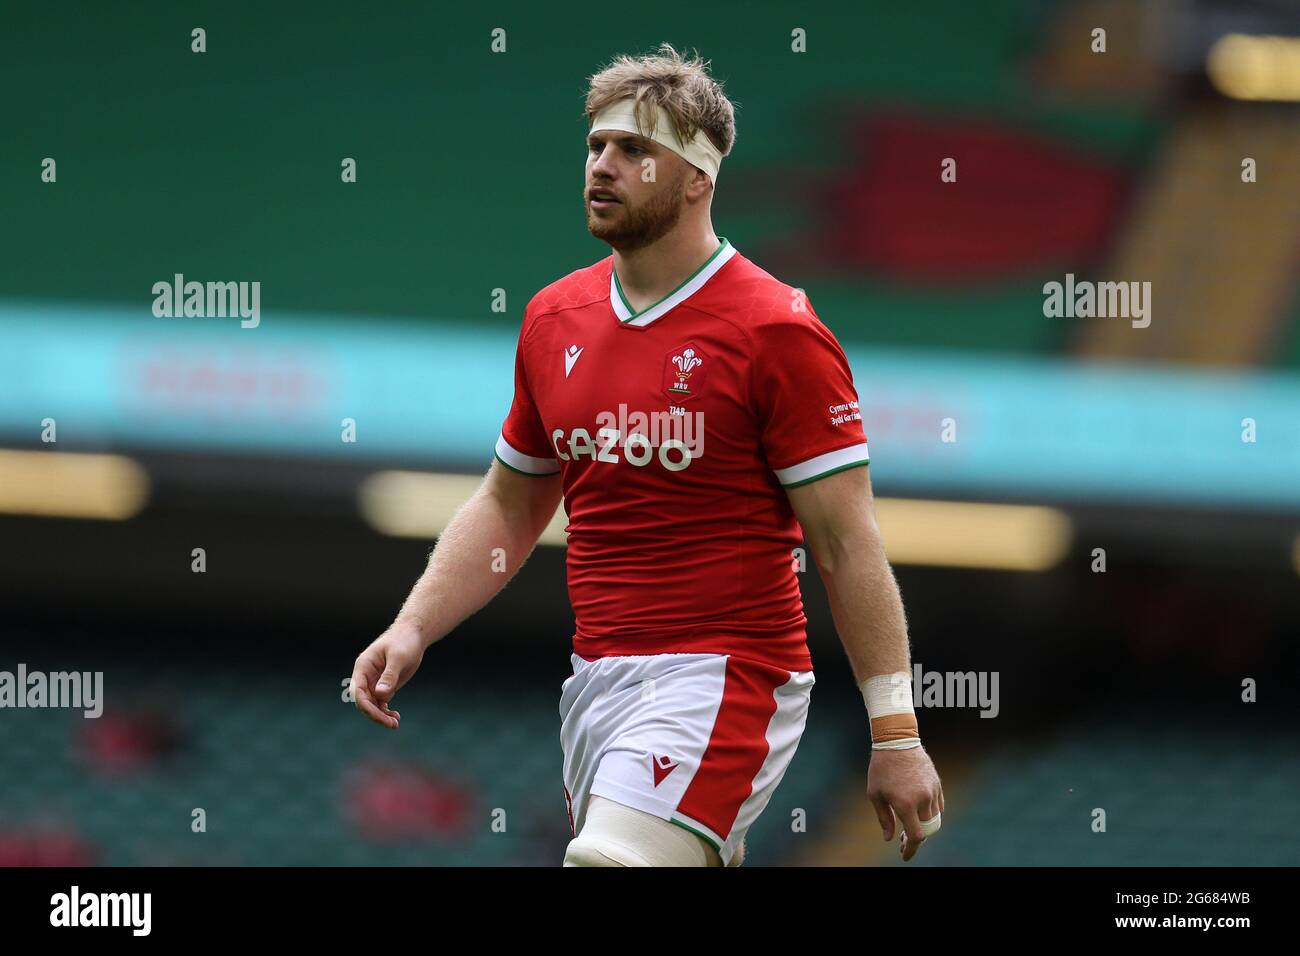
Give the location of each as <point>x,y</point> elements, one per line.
<point>634,227</point>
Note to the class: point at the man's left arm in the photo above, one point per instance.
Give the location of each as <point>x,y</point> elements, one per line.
<point>839,524</point>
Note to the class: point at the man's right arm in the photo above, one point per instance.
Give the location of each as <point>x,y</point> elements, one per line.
<point>508,511</point>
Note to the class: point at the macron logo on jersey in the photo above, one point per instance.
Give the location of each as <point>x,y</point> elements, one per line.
<point>571,356</point>
<point>662,767</point>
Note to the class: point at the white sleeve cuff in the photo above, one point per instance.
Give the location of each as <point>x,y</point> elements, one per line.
<point>823,465</point>
<point>525,464</point>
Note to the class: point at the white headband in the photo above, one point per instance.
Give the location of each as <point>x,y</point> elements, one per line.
<point>700,152</point>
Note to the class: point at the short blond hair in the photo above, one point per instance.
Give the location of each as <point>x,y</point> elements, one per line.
<point>691,97</point>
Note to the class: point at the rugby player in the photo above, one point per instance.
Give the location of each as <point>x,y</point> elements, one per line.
<point>694,415</point>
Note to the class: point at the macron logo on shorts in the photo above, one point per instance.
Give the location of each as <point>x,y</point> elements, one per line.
<point>662,767</point>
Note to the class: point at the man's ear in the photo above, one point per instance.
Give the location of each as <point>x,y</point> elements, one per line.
<point>699,185</point>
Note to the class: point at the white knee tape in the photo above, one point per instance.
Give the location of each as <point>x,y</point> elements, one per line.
<point>591,851</point>
<point>615,835</point>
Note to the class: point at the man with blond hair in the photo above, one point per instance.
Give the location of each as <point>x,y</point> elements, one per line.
<point>694,414</point>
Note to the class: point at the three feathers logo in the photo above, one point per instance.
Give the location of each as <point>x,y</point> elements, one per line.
<point>684,372</point>
<point>685,363</point>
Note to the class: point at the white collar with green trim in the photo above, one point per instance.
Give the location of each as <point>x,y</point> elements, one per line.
<point>696,281</point>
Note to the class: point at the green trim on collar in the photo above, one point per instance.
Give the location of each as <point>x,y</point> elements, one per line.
<point>633,315</point>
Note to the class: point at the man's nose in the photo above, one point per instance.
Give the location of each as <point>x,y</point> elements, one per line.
<point>603,163</point>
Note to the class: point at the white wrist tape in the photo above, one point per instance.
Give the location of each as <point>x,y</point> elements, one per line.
<point>889,705</point>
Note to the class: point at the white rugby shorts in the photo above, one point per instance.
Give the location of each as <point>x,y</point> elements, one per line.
<point>701,740</point>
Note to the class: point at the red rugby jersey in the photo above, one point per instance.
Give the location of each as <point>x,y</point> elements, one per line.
<point>676,431</point>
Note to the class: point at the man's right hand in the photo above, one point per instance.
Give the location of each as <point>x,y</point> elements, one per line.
<point>382,668</point>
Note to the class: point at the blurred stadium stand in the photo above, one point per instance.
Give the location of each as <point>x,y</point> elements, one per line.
<point>1119,690</point>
